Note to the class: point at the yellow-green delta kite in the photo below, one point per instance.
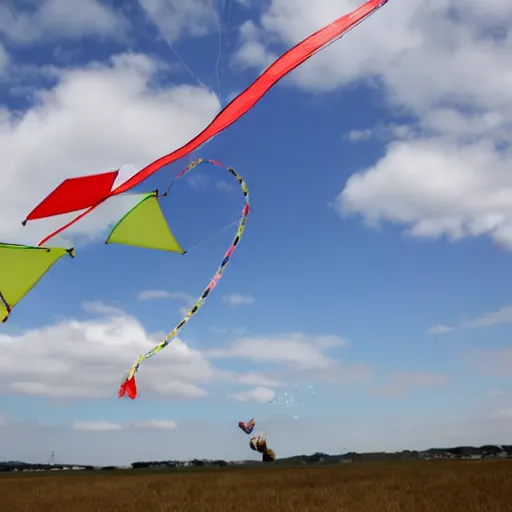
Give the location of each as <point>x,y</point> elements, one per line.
<point>21,268</point>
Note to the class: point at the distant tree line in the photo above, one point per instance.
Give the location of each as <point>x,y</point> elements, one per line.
<point>316,458</point>
<point>178,463</point>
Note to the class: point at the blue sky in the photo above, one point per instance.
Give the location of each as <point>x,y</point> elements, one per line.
<point>372,283</point>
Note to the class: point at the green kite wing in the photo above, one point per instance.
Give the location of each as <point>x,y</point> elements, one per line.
<point>21,268</point>
<point>145,226</point>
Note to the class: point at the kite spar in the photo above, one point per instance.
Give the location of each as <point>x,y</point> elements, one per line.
<point>119,235</point>
<point>90,191</point>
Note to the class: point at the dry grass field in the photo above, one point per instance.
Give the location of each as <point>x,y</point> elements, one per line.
<point>483,486</point>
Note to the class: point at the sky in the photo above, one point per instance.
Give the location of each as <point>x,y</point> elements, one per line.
<point>368,305</point>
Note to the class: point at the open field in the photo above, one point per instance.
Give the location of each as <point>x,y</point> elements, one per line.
<point>444,486</point>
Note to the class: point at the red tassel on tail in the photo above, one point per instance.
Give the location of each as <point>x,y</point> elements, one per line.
<point>128,387</point>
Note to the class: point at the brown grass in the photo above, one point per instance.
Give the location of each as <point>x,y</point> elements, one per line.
<point>450,486</point>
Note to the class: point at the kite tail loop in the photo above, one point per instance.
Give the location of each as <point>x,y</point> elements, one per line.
<point>129,386</point>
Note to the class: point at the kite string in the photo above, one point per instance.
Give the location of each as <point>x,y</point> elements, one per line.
<point>219,51</point>
<point>177,55</point>
<point>184,64</point>
<point>215,279</point>
<point>207,239</point>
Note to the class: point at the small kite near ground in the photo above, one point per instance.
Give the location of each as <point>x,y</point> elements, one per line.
<point>21,268</point>
<point>247,427</point>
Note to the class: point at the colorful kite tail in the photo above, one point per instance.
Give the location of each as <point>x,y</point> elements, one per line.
<point>129,386</point>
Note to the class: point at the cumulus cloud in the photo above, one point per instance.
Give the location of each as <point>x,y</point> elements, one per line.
<point>87,359</point>
<point>297,353</point>
<point>64,133</point>
<point>295,349</point>
<point>80,359</point>
<point>23,22</point>
<point>445,66</point>
<point>437,188</point>
<point>237,299</point>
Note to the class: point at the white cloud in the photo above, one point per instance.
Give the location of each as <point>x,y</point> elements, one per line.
<point>157,424</point>
<point>176,19</point>
<point>439,329</point>
<point>237,299</point>
<point>65,134</point>
<point>100,308</point>
<point>295,349</point>
<point>96,426</point>
<point>260,395</point>
<point>381,131</point>
<point>164,294</point>
<point>252,52</point>
<point>91,356</point>
<point>437,188</point>
<point>443,64</point>
<point>359,135</point>
<point>501,316</point>
<point>57,19</point>
<point>401,383</point>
